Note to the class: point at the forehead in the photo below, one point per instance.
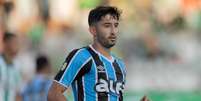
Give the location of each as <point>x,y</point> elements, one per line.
<point>108,18</point>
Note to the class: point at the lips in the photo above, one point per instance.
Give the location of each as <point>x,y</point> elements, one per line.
<point>112,38</point>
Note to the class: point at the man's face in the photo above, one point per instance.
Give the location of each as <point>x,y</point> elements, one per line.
<point>106,31</point>
<point>12,46</point>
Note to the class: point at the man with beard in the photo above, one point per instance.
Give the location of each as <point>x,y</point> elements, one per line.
<point>93,72</point>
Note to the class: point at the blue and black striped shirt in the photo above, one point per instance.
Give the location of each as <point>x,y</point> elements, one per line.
<point>93,77</point>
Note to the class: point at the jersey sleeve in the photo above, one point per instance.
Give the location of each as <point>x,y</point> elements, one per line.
<point>71,67</point>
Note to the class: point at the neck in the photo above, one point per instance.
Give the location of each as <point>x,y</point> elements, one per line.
<point>8,58</point>
<point>104,51</point>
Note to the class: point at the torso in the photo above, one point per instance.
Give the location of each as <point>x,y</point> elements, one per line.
<point>9,75</point>
<point>101,83</point>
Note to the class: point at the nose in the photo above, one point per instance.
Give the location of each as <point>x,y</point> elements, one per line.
<point>114,30</point>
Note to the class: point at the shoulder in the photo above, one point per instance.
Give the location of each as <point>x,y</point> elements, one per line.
<point>121,62</point>
<point>2,62</point>
<point>118,59</point>
<point>79,54</point>
<point>1,58</point>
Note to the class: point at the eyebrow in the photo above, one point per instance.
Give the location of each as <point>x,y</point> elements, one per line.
<point>109,23</point>
<point>106,23</point>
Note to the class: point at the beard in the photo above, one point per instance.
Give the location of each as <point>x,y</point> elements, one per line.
<point>106,42</point>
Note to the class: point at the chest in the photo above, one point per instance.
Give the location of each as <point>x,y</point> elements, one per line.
<point>108,70</point>
<point>108,77</point>
<point>8,75</point>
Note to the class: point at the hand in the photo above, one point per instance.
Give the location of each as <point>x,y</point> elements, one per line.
<point>145,98</point>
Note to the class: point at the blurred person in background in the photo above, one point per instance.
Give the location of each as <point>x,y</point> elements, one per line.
<point>10,79</point>
<point>94,73</point>
<point>37,88</point>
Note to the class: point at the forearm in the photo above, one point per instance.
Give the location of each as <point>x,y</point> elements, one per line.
<point>56,92</point>
<point>56,97</point>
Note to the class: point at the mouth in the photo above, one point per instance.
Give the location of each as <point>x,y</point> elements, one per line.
<point>113,38</point>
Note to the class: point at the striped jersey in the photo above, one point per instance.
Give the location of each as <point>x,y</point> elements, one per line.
<point>10,80</point>
<point>92,76</point>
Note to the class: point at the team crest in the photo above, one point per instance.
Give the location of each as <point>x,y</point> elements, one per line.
<point>64,66</point>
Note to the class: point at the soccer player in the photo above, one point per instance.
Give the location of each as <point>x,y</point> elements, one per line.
<point>93,72</point>
<point>10,78</point>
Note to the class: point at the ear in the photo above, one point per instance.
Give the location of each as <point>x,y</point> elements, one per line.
<point>92,30</point>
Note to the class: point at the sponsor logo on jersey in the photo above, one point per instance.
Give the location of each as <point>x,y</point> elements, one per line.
<point>109,86</point>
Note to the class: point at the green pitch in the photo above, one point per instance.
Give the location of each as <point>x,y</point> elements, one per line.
<point>159,96</point>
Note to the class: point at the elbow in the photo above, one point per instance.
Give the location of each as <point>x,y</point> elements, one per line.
<point>50,96</point>
<point>55,93</point>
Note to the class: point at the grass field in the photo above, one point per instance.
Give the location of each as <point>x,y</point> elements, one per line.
<point>165,96</point>
<point>159,96</point>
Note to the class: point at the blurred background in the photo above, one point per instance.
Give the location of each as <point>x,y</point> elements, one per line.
<point>159,41</point>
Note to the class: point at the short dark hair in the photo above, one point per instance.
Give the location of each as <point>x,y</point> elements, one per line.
<point>100,11</point>
<point>41,62</point>
<point>8,36</point>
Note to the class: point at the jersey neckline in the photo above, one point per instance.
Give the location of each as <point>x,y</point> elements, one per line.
<point>110,60</point>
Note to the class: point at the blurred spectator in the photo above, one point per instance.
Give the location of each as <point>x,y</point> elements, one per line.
<point>43,6</point>
<point>9,75</point>
<point>37,88</point>
<point>1,40</point>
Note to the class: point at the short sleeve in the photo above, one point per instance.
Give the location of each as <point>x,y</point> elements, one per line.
<point>73,64</point>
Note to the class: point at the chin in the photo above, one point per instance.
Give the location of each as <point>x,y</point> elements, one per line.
<point>109,45</point>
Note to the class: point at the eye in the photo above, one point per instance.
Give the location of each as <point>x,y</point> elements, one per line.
<point>106,25</point>
<point>116,24</point>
